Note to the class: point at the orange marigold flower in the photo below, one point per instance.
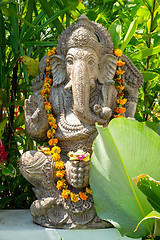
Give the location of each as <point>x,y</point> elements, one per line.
<point>122,101</point>
<point>88,190</point>
<point>49,134</point>
<point>48,80</point>
<point>120,94</point>
<point>66,193</point>
<point>53,125</point>
<point>51,119</point>
<point>83,196</point>
<point>120,63</point>
<point>119,72</point>
<point>74,198</point>
<point>53,141</point>
<point>119,110</point>
<point>56,157</point>
<point>45,91</point>
<point>60,173</point>
<point>118,116</point>
<point>59,165</point>
<point>56,149</point>
<point>118,52</point>
<point>119,80</point>
<point>60,184</point>
<point>48,69</point>
<point>120,87</point>
<point>51,52</point>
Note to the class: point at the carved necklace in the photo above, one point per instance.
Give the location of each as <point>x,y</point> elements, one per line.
<point>119,86</point>
<point>55,150</point>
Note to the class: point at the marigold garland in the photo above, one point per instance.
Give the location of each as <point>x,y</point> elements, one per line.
<point>55,150</point>
<point>118,85</point>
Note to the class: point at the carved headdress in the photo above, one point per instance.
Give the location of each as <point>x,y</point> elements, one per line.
<point>85,33</point>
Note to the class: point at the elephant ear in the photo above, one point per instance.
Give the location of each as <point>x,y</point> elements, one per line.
<point>107,68</point>
<point>132,75</point>
<point>57,63</point>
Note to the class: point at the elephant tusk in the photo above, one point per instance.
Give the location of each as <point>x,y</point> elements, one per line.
<point>68,86</point>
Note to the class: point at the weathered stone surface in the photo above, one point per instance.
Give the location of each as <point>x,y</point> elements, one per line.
<point>81,94</point>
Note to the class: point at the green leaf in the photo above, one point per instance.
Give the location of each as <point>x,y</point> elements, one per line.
<point>129,34</point>
<point>50,20</point>
<point>32,65</point>
<point>120,152</point>
<point>151,189</point>
<point>152,125</point>
<point>149,75</point>
<point>2,126</point>
<point>2,187</point>
<point>9,171</point>
<point>145,53</point>
<point>115,31</point>
<point>152,214</point>
<point>20,120</point>
<point>41,43</point>
<point>4,202</point>
<point>49,11</point>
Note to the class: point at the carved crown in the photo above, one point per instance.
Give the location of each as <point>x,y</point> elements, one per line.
<point>85,33</point>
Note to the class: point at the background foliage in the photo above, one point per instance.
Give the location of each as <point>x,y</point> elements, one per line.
<point>32,27</point>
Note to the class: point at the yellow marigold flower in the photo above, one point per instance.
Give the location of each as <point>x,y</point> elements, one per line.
<point>118,52</point>
<point>119,80</point>
<point>88,190</point>
<point>120,63</point>
<point>74,198</point>
<point>49,134</point>
<point>56,149</point>
<point>45,91</point>
<point>119,72</point>
<point>120,87</point>
<point>48,108</point>
<point>118,116</point>
<point>59,165</point>
<point>48,80</point>
<point>56,157</point>
<point>46,85</point>
<point>48,61</point>
<point>60,184</point>
<point>65,193</point>
<point>53,141</point>
<point>119,110</point>
<point>83,196</point>
<point>122,101</point>
<point>60,173</point>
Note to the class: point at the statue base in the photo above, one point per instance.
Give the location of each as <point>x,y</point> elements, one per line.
<point>18,225</point>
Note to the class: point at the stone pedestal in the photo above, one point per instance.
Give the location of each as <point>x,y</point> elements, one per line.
<point>18,225</point>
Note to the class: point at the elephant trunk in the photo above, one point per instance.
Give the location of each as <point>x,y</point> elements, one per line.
<point>81,95</point>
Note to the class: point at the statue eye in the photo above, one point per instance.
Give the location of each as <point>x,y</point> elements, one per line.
<point>91,62</point>
<point>69,61</point>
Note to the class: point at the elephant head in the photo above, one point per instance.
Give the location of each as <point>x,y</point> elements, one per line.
<point>84,59</point>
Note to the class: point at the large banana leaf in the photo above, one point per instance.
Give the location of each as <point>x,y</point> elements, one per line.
<point>122,151</point>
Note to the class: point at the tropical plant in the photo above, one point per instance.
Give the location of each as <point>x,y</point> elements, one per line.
<point>151,188</point>
<point>122,151</point>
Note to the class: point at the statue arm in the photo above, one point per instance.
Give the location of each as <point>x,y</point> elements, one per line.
<point>36,121</point>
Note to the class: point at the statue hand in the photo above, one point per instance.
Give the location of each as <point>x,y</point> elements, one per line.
<point>36,117</point>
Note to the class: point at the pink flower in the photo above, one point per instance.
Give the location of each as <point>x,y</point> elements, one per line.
<point>3,154</point>
<point>80,157</point>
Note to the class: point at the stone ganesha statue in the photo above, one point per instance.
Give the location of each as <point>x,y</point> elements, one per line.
<point>82,93</point>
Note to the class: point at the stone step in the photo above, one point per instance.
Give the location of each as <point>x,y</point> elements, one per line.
<point>18,225</point>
